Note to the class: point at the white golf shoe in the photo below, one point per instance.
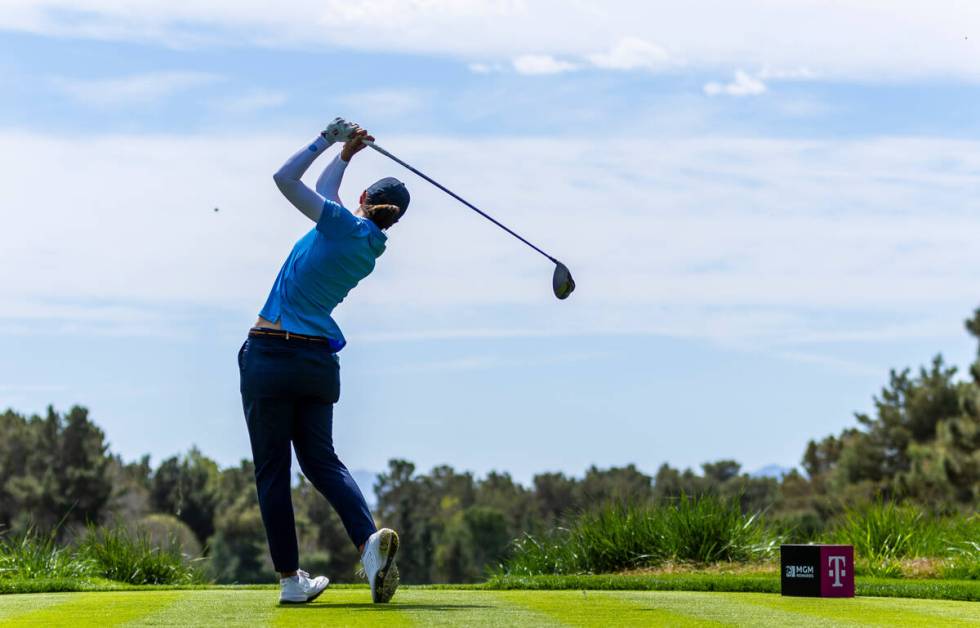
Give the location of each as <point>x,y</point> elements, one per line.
<point>378,560</point>
<point>300,589</point>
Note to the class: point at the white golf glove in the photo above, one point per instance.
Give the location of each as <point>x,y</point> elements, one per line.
<point>339,130</point>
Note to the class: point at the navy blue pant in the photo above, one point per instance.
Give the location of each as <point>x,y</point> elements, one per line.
<point>288,391</point>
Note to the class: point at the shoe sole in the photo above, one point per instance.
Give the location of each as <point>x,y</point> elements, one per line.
<point>386,581</point>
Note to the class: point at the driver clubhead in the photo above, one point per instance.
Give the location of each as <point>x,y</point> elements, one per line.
<point>562,281</point>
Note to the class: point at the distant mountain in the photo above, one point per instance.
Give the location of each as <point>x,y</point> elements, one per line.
<point>771,471</point>
<point>365,481</point>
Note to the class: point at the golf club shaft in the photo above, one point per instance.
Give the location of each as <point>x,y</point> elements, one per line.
<point>457,197</point>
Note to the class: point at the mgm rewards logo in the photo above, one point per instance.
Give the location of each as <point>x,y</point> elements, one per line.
<point>800,571</point>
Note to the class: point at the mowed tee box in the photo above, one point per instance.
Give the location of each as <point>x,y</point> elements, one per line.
<point>817,570</point>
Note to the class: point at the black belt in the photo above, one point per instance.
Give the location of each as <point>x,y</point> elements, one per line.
<point>265,332</point>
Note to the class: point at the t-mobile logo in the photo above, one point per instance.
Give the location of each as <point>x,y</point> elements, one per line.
<point>837,571</point>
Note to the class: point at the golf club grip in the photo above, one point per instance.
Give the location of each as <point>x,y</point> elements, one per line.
<point>457,197</point>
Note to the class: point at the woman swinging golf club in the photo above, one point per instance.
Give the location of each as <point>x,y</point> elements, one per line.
<point>290,374</point>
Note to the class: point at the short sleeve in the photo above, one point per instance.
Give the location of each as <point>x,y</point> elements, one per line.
<point>335,220</point>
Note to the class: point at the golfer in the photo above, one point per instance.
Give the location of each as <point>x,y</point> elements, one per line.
<point>290,374</point>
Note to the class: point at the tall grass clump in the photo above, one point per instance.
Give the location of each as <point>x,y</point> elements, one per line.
<point>130,556</point>
<point>886,533</point>
<point>617,537</point>
<point>963,553</point>
<point>963,562</point>
<point>885,530</point>
<point>31,555</point>
<point>709,529</point>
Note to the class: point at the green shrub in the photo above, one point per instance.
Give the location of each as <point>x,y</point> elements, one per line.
<point>32,555</point>
<point>963,562</point>
<point>616,537</point>
<point>238,547</point>
<point>799,527</point>
<point>165,530</point>
<point>890,538</point>
<point>707,529</point>
<point>132,557</point>
<point>885,533</point>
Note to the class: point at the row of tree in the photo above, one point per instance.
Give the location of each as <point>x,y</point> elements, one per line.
<point>921,443</point>
<point>56,473</point>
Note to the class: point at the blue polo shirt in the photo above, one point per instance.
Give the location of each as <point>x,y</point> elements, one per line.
<point>322,268</point>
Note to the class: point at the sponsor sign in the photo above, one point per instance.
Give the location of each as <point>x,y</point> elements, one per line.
<point>817,570</point>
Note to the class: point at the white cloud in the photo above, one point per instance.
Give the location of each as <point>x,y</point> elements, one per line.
<point>752,84</point>
<point>869,40</point>
<point>705,237</point>
<point>31,388</point>
<point>835,364</point>
<point>742,85</point>
<point>384,104</point>
<point>632,53</point>
<point>541,64</point>
<point>629,53</point>
<point>805,107</point>
<point>139,89</point>
<point>490,361</point>
<point>793,74</point>
<point>253,101</point>
<point>486,68</point>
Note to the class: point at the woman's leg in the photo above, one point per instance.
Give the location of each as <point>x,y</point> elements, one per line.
<point>269,416</point>
<point>313,439</point>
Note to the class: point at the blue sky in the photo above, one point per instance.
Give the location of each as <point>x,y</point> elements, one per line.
<point>766,206</point>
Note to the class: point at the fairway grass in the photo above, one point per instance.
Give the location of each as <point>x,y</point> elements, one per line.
<point>933,588</point>
<point>447,607</point>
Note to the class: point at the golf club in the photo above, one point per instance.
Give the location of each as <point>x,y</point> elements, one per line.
<point>561,282</point>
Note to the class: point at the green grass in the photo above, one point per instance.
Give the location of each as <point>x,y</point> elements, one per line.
<point>964,590</point>
<point>890,540</point>
<point>35,562</point>
<point>888,537</point>
<point>964,561</point>
<point>616,537</point>
<point>131,557</point>
<point>885,533</point>
<point>32,555</point>
<point>418,606</point>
